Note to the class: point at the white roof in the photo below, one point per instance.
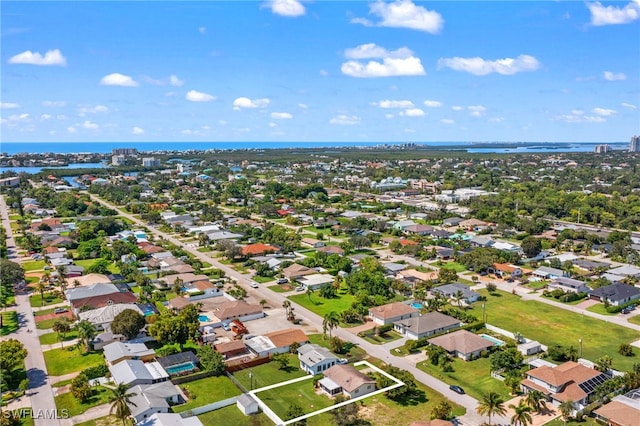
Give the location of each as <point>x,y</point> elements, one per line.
<point>316,279</point>
<point>170,419</point>
<point>108,313</point>
<point>117,350</point>
<point>128,371</point>
<point>260,344</point>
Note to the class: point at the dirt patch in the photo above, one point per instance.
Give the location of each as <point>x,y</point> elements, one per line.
<point>54,316</point>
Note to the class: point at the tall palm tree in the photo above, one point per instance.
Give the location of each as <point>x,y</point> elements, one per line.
<point>62,277</point>
<point>61,327</point>
<point>566,408</point>
<point>86,333</point>
<point>459,297</point>
<point>41,288</point>
<point>330,321</point>
<point>536,400</point>
<point>119,401</point>
<point>521,416</point>
<point>490,404</point>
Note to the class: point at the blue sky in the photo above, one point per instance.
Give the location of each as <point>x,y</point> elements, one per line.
<point>288,70</point>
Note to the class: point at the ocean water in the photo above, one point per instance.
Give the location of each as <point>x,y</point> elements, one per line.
<point>12,148</point>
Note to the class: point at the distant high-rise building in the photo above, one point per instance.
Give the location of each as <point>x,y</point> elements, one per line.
<point>118,160</point>
<point>124,151</point>
<point>150,162</point>
<point>601,149</point>
<point>634,145</point>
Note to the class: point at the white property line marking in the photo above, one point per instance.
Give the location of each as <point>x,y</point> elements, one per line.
<point>278,421</point>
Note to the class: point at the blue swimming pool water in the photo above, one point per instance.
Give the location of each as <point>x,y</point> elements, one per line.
<point>204,318</point>
<point>180,368</point>
<point>417,305</point>
<point>493,340</point>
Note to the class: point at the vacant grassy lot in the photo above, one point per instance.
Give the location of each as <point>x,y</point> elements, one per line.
<point>43,312</point>
<point>9,322</point>
<point>33,265</point>
<point>280,288</point>
<point>550,325</point>
<point>86,263</point>
<point>51,338</point>
<point>263,280</point>
<point>323,306</point>
<point>634,320</point>
<point>269,374</point>
<point>100,396</point>
<point>67,360</point>
<point>302,393</point>
<point>232,416</point>
<point>36,300</point>
<point>206,391</point>
<point>458,267</point>
<point>473,376</point>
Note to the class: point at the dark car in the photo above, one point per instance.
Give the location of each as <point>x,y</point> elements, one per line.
<point>457,389</point>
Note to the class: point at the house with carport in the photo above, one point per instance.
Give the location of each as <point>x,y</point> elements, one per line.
<point>392,312</point>
<point>426,325</point>
<point>462,344</point>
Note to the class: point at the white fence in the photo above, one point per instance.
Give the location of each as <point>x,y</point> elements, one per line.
<point>209,407</point>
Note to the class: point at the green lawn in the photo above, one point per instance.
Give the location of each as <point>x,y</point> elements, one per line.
<point>586,422</point>
<point>9,322</point>
<point>66,400</point>
<point>458,267</point>
<point>302,393</point>
<point>62,383</point>
<point>33,265</point>
<point>382,339</point>
<point>550,325</point>
<point>67,360</point>
<point>313,230</point>
<point>473,376</point>
<point>86,263</point>
<point>280,288</point>
<point>49,299</point>
<point>322,306</point>
<point>232,416</point>
<point>634,320</point>
<point>206,391</point>
<point>355,353</point>
<point>536,285</point>
<point>600,309</point>
<point>269,374</point>
<point>43,312</point>
<point>263,280</point>
<point>51,338</point>
<point>46,324</point>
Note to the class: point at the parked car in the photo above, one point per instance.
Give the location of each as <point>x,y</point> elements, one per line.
<point>253,284</point>
<point>60,310</point>
<point>299,288</point>
<point>282,281</point>
<point>457,389</point>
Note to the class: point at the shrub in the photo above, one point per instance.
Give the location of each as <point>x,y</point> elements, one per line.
<point>95,372</point>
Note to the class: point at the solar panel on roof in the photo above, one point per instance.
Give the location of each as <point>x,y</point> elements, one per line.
<point>590,385</point>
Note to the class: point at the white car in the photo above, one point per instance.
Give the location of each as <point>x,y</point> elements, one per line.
<point>253,284</point>
<point>299,288</point>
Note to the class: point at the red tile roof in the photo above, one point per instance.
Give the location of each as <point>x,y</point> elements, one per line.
<point>258,248</point>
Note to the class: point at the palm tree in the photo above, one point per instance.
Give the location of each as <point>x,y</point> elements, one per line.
<point>518,337</point>
<point>62,277</point>
<point>119,402</point>
<point>76,283</point>
<point>41,288</point>
<point>61,327</point>
<point>309,293</point>
<point>86,333</point>
<point>459,297</point>
<point>490,404</point>
<point>262,302</point>
<point>521,415</point>
<point>331,321</point>
<point>566,408</point>
<point>536,400</point>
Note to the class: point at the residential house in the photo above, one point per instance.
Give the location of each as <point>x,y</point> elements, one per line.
<point>315,281</point>
<point>187,278</point>
<point>452,291</point>
<point>102,318</point>
<point>90,279</point>
<point>391,268</point>
<point>566,382</point>
<point>626,271</point>
<point>444,253</point>
<point>452,221</point>
<point>569,285</point>
<point>102,300</point>
<point>148,400</point>
<point>133,372</point>
<point>590,265</point>
<point>346,380</point>
<point>392,312</point>
<point>258,249</point>
<point>312,242</point>
<point>616,294</point>
<point>223,235</point>
<point>462,343</point>
<point>296,271</point>
<point>481,241</point>
<point>170,419</point>
<point>623,410</point>
<point>418,229</point>
<point>331,250</point>
<point>238,309</point>
<point>118,351</point>
<point>315,359</point>
<point>73,271</point>
<point>426,325</point>
<point>403,224</point>
<point>505,270</point>
<point>414,276</point>
<point>473,224</point>
<point>98,289</point>
<point>547,273</point>
<point>232,348</point>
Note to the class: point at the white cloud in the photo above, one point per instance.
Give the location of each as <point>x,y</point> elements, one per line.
<point>187,132</point>
<point>399,62</point>
<point>627,105</point>
<point>19,117</point>
<point>447,121</point>
<point>71,129</point>
<point>388,116</point>
<point>479,66</point>
<point>52,57</point>
<point>579,116</point>
<point>324,73</point>
<point>195,96</point>
<point>61,117</point>
<point>413,112</point>
<point>202,30</point>
<point>244,102</point>
<point>613,76</point>
<point>288,8</point>
<point>403,14</point>
<point>477,110</point>
<point>89,125</point>
<point>272,124</point>
<point>409,130</point>
<point>457,108</point>
<point>56,104</point>
<point>604,112</point>
<point>432,104</point>
<point>281,115</point>
<point>137,130</point>
<point>394,104</point>
<point>303,106</point>
<point>222,122</point>
<point>175,81</point>
<point>83,110</point>
<point>44,117</point>
<point>496,120</point>
<point>9,105</point>
<point>613,15</point>
<point>117,79</point>
<point>345,120</point>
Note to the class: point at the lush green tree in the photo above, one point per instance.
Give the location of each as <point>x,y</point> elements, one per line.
<point>566,410</point>
<point>282,360</point>
<point>120,401</point>
<point>80,388</point>
<point>100,266</point>
<point>327,291</point>
<point>331,320</point>
<point>347,415</point>
<point>491,404</point>
<point>128,323</point>
<point>531,246</point>
<point>61,326</point>
<point>86,333</point>
<point>12,355</point>
<point>211,360</point>
<point>625,349</point>
<point>509,357</point>
<point>536,400</point>
<point>442,410</point>
<point>295,411</point>
<point>408,389</point>
<point>446,275</point>
<point>11,273</point>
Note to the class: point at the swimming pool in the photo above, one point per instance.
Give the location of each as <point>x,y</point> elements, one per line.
<point>417,305</point>
<point>204,318</point>
<point>493,340</point>
<point>181,368</point>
